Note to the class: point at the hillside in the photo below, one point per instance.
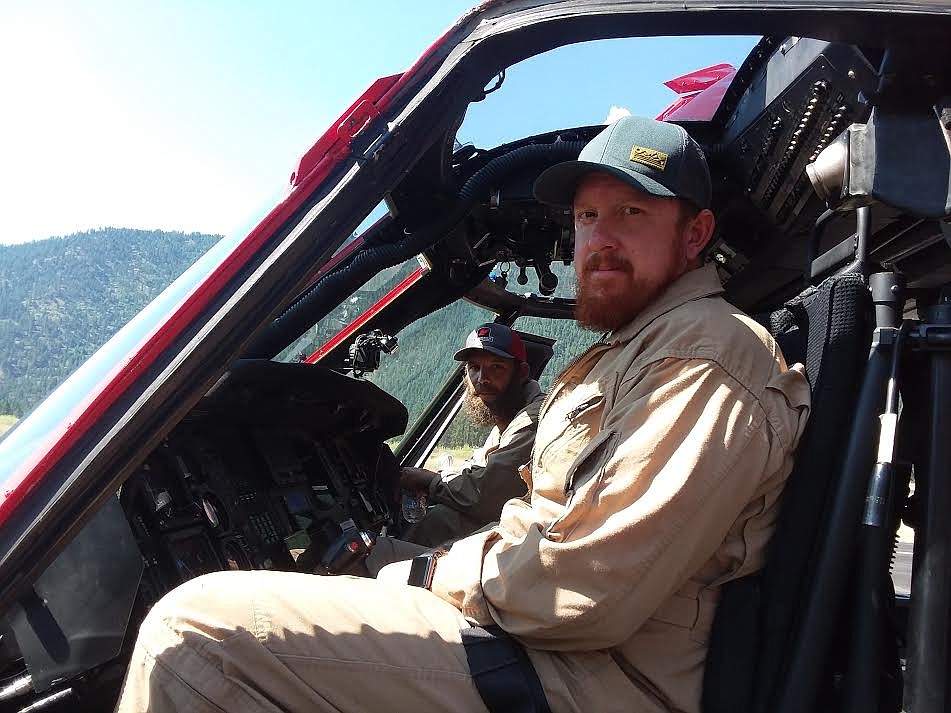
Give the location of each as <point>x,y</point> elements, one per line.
<point>62,298</point>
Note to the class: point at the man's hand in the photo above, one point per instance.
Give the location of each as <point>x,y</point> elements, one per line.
<point>416,479</point>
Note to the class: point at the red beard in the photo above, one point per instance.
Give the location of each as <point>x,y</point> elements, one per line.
<point>608,305</point>
<point>602,308</point>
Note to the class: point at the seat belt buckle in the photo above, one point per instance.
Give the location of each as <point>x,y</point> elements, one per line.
<point>423,568</point>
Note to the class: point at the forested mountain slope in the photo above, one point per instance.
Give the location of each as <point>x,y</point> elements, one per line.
<point>62,298</point>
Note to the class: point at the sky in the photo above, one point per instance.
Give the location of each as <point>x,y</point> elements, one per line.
<point>184,115</point>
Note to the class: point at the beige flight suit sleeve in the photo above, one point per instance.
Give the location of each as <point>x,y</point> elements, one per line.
<point>681,453</point>
<point>481,491</point>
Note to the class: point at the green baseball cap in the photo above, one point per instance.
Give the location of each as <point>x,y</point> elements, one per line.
<point>652,156</point>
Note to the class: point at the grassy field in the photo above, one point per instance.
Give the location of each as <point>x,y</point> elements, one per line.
<point>436,459</point>
<point>6,423</point>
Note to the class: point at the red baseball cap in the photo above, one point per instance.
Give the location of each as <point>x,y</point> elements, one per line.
<point>496,339</point>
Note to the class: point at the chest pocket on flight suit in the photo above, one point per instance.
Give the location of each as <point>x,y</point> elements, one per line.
<point>583,482</point>
<point>564,439</point>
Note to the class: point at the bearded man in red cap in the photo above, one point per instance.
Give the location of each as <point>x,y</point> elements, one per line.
<point>464,498</point>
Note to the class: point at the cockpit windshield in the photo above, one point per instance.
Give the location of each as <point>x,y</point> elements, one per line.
<point>593,83</point>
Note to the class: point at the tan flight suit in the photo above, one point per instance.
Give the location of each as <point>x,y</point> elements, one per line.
<point>470,496</point>
<point>658,464</point>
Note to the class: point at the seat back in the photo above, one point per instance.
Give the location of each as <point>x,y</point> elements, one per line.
<point>538,352</point>
<point>828,328</point>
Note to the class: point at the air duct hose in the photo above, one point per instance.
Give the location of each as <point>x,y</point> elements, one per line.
<point>337,285</point>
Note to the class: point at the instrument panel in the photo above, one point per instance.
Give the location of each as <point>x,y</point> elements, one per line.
<point>266,471</point>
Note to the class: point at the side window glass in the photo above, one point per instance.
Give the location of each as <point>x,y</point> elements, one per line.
<point>901,563</point>
<point>416,372</point>
<point>347,311</point>
<point>355,305</point>
<point>904,554</point>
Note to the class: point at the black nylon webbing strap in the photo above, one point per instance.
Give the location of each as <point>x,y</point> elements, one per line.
<point>502,672</point>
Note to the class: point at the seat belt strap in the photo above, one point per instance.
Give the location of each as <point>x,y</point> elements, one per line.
<point>502,672</point>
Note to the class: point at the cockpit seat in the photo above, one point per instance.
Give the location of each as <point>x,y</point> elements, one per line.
<point>760,617</point>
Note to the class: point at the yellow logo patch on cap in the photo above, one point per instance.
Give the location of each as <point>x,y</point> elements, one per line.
<point>649,157</point>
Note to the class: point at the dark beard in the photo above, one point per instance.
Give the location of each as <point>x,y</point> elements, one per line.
<point>506,405</point>
<point>476,409</point>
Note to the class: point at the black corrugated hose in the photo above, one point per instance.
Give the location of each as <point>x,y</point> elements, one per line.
<point>337,285</point>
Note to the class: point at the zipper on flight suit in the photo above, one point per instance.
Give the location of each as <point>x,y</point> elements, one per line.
<point>581,408</point>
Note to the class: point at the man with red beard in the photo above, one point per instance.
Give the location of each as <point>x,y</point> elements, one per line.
<point>464,498</point>
<point>658,464</point>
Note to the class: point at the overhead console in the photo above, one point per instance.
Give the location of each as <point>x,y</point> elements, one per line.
<point>800,94</point>
<point>799,101</point>
<point>276,458</point>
